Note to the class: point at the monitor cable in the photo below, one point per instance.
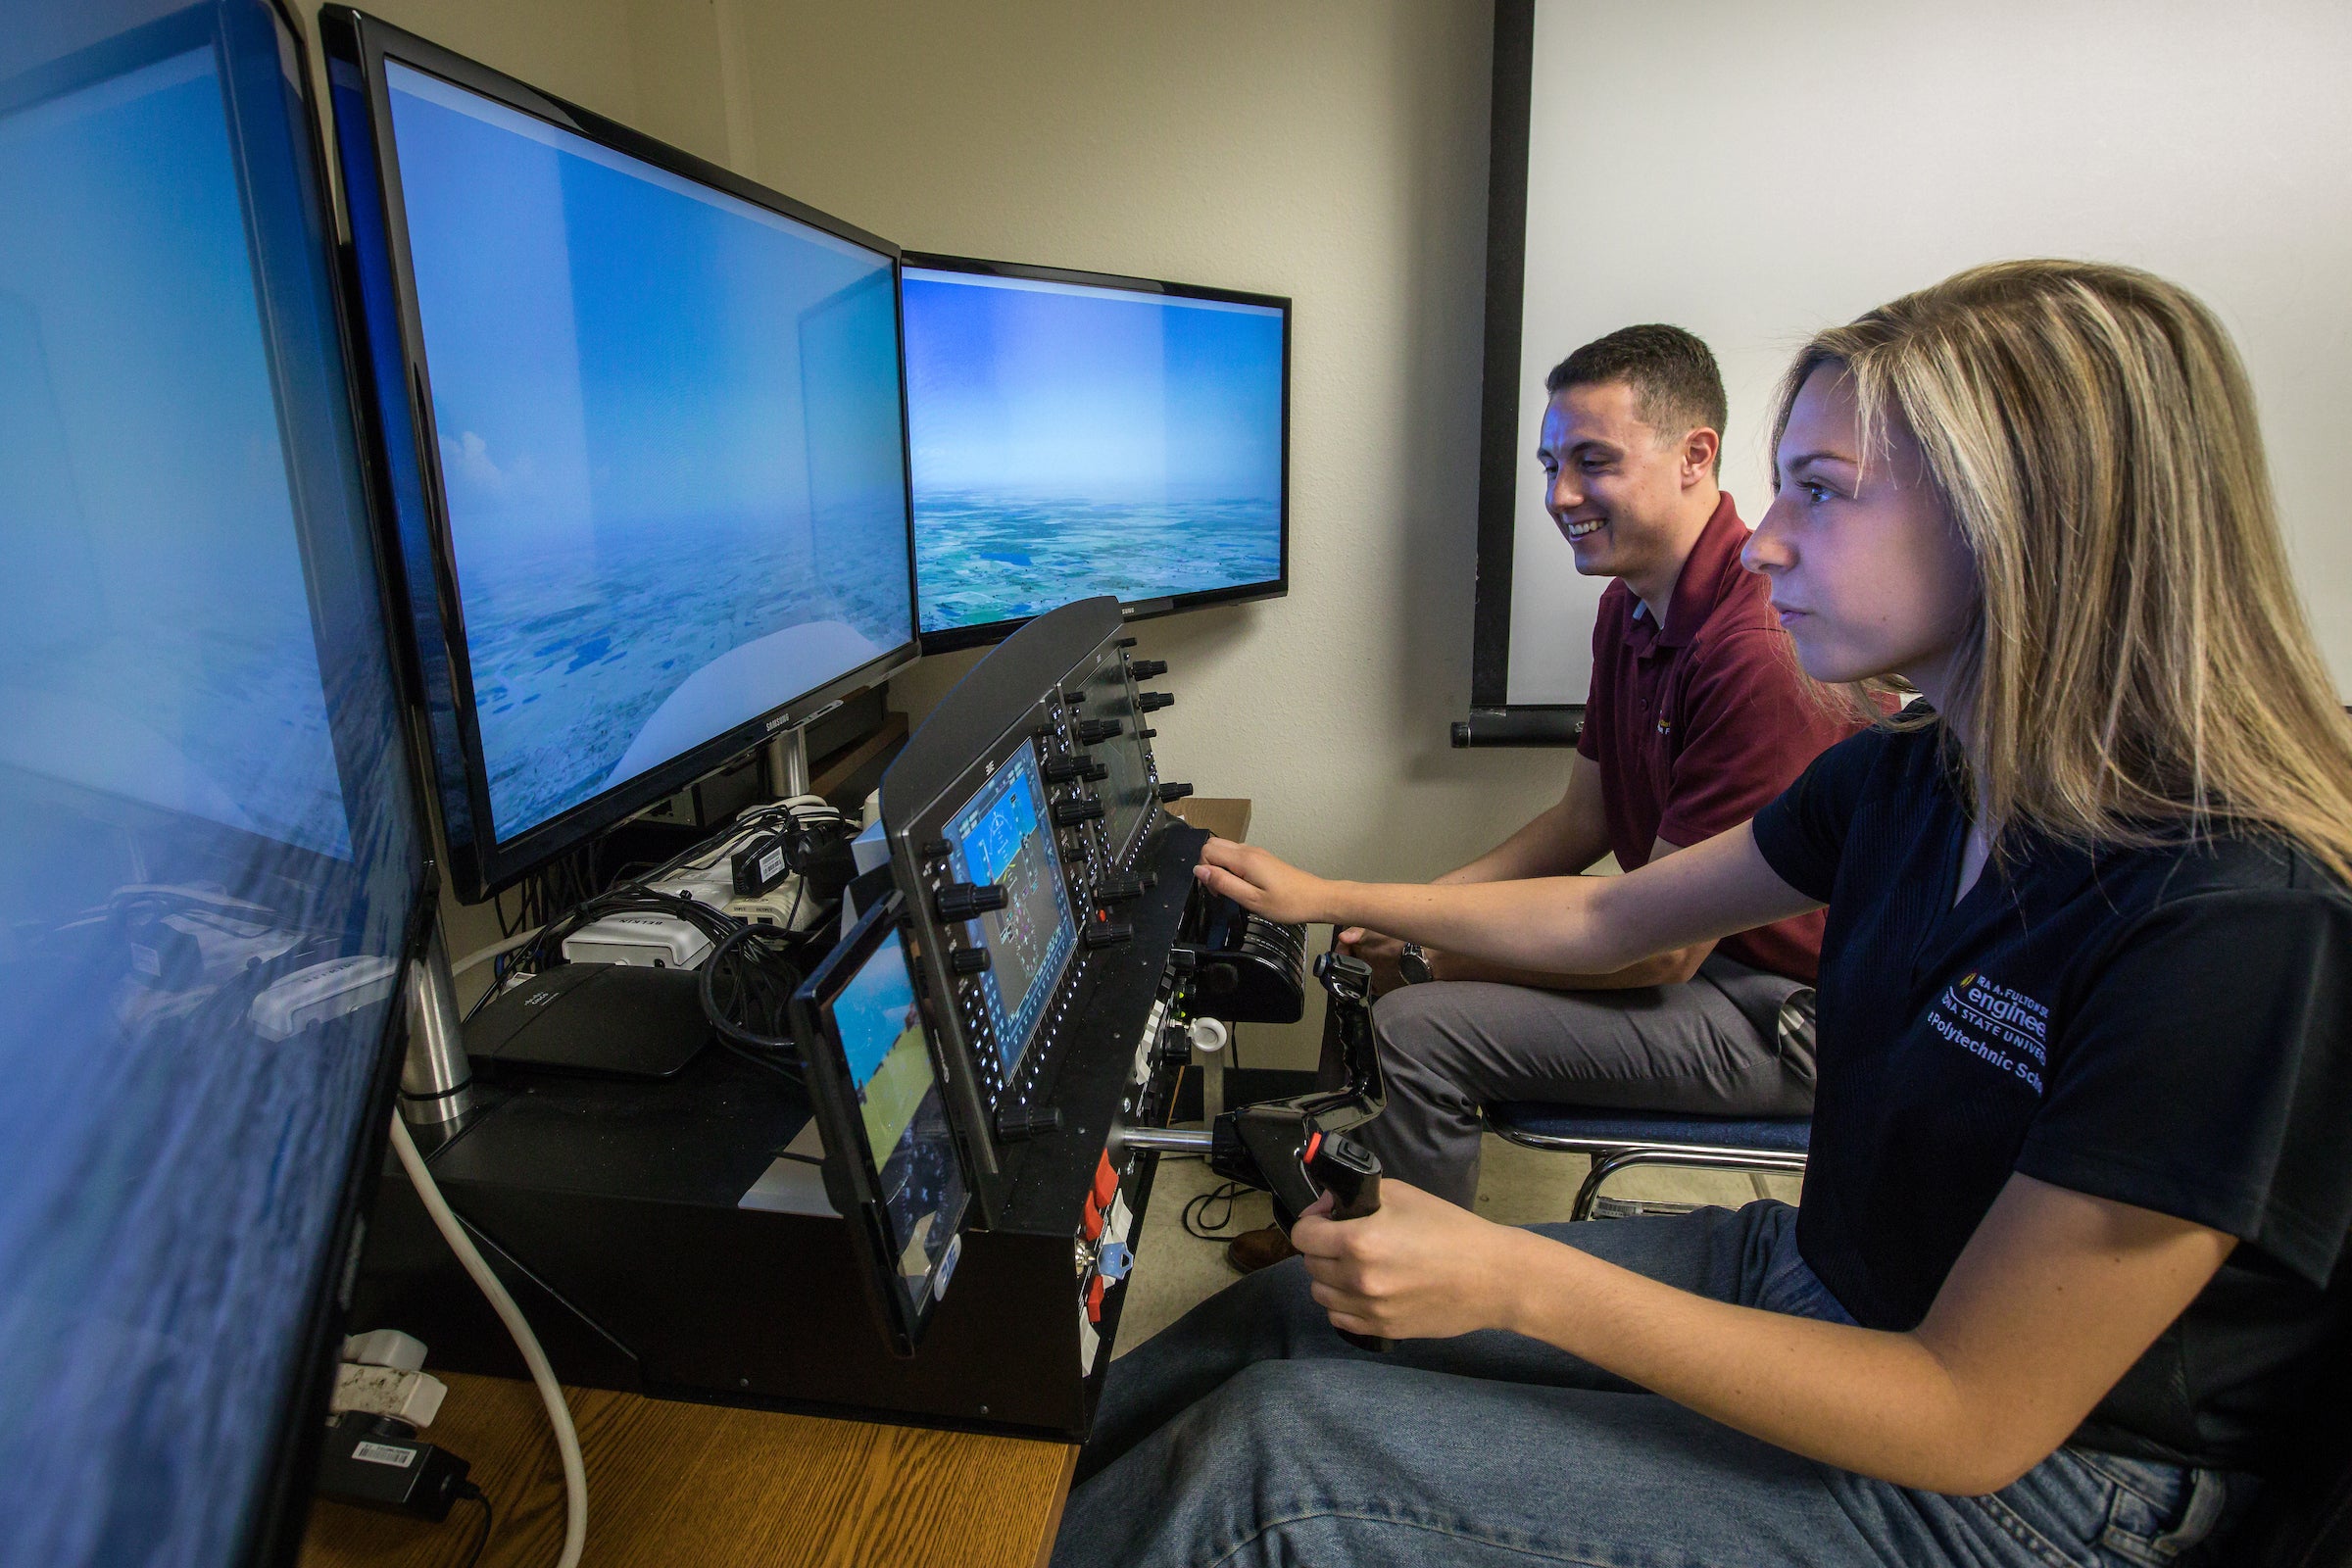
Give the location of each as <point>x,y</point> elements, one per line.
<point>568,1439</point>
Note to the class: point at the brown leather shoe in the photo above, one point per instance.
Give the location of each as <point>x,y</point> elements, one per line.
<point>1252,1251</point>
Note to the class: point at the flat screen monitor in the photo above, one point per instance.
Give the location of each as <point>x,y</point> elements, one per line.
<point>892,1163</point>
<point>212,875</point>
<point>656,417</point>
<point>1076,434</point>
<point>1002,836</point>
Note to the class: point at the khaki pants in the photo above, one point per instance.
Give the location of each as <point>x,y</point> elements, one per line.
<point>1726,1043</point>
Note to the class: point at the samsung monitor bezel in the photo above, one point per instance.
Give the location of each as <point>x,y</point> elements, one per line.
<point>952,638</point>
<point>480,863</point>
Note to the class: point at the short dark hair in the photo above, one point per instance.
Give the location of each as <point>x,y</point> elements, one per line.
<point>1675,382</point>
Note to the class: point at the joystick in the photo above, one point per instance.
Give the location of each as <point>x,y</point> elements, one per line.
<point>1296,1148</point>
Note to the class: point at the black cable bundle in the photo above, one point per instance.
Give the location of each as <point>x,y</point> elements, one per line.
<point>748,982</point>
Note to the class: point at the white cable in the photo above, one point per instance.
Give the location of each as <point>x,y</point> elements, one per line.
<point>567,1440</point>
<point>482,956</point>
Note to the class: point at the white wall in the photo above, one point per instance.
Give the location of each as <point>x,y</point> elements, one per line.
<point>1753,171</point>
<point>1330,150</point>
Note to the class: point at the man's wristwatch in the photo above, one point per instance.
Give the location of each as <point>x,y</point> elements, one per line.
<point>1412,963</point>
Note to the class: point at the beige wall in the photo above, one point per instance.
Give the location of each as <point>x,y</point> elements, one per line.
<point>1332,151</point>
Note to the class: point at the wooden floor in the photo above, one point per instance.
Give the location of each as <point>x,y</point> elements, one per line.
<point>684,1485</point>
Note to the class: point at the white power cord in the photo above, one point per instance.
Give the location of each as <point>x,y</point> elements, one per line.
<point>482,956</point>
<point>567,1440</point>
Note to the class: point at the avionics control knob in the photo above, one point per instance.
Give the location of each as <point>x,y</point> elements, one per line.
<point>1174,792</point>
<point>1153,702</point>
<point>1094,731</point>
<point>1107,933</point>
<point>1015,1124</point>
<point>969,960</point>
<point>1145,668</point>
<point>1069,814</point>
<point>1062,769</point>
<point>1118,890</point>
<point>935,849</point>
<point>960,901</point>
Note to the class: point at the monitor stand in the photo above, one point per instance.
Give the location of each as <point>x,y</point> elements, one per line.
<point>788,760</point>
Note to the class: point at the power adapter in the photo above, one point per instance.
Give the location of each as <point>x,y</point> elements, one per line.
<point>376,1462</point>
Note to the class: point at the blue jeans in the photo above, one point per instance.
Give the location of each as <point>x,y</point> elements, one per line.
<point>1249,1433</point>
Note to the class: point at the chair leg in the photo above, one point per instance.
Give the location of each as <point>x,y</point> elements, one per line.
<point>1605,1163</point>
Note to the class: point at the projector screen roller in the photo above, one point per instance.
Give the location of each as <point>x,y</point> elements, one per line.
<point>1071,438</point>
<point>1672,165</point>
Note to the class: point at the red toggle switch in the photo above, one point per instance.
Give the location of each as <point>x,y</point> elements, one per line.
<point>1314,1142</point>
<point>1094,1300</point>
<point>1106,1182</point>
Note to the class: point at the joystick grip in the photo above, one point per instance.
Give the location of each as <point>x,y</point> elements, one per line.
<point>1351,1173</point>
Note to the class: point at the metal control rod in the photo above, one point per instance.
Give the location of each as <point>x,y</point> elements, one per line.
<point>1164,1139</point>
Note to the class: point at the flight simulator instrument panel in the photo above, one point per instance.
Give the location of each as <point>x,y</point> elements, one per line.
<point>977,1049</point>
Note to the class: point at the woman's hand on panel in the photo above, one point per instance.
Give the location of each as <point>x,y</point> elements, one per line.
<point>1419,1268</point>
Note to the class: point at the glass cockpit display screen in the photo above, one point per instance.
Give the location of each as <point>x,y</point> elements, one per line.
<point>910,1149</point>
<point>669,439</point>
<point>1002,836</point>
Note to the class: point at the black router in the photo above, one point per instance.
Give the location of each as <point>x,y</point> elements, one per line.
<point>602,1020</point>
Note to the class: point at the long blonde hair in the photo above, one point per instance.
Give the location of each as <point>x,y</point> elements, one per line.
<point>2138,660</point>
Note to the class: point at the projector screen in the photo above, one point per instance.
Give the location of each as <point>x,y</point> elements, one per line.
<point>1754,172</point>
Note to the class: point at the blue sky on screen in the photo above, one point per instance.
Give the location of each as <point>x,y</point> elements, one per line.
<point>669,433</point>
<point>607,342</point>
<point>872,1008</point>
<point>1021,388</point>
<point>154,628</point>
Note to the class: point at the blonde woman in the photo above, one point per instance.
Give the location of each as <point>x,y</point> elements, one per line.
<point>2080,1179</point>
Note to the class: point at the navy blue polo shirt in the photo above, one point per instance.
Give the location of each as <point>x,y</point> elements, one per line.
<point>2166,1027</point>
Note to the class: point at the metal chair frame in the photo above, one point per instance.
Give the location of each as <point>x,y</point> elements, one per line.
<point>1613,1154</point>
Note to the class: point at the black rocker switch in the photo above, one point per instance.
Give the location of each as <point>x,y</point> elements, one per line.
<point>1183,960</point>
<point>1145,668</point>
<point>960,901</point>
<point>969,960</point>
<point>1107,933</point>
<point>1094,731</point>
<point>1153,702</point>
<point>1017,1124</point>
<point>1174,792</point>
<point>1069,814</point>
<point>1173,1048</point>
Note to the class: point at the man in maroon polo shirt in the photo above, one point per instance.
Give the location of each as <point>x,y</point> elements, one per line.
<point>1696,716</point>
